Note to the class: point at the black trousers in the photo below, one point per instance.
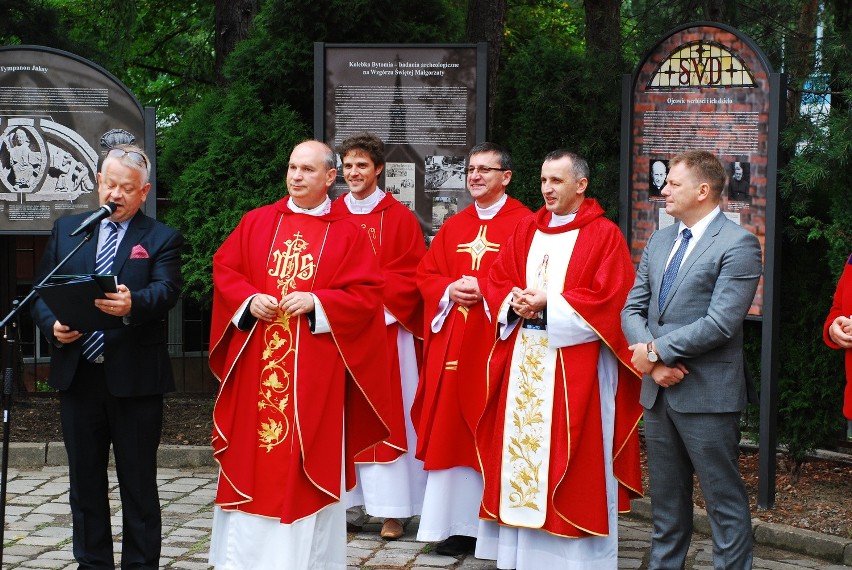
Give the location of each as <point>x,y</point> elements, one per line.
<point>92,419</point>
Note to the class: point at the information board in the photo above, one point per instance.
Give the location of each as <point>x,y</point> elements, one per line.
<point>703,87</point>
<point>59,114</point>
<point>426,103</point>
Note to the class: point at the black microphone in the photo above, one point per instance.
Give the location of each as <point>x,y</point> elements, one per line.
<point>86,225</point>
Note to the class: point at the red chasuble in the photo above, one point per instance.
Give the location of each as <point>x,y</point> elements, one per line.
<point>397,241</point>
<point>452,390</point>
<point>279,415</point>
<point>599,276</point>
<point>842,305</point>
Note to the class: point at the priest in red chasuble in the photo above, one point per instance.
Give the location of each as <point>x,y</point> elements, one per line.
<point>558,440</point>
<point>458,336</point>
<point>298,346</point>
<point>390,483</point>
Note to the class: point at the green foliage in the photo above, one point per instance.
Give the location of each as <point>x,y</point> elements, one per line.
<point>810,380</point>
<point>42,385</point>
<point>161,49</point>
<point>279,54</point>
<point>32,22</point>
<point>228,156</point>
<point>554,96</point>
<point>817,242</point>
<point>527,20</point>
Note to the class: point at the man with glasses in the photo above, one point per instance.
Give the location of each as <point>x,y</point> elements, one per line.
<point>457,338</point>
<point>111,382</point>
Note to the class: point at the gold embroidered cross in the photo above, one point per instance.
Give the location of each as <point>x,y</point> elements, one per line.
<point>478,248</point>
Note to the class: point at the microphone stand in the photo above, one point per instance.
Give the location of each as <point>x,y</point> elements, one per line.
<point>10,322</point>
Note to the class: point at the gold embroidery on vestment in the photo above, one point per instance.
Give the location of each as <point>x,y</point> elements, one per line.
<point>526,435</point>
<point>478,247</point>
<point>279,353</point>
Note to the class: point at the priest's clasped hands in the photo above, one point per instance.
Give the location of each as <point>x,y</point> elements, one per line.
<point>465,291</point>
<point>265,307</point>
<point>528,303</point>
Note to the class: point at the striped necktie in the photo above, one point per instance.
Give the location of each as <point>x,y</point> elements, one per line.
<point>674,265</point>
<point>93,344</point>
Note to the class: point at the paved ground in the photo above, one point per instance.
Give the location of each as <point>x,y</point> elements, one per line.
<point>38,531</point>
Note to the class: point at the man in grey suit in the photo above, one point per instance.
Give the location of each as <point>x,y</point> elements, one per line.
<point>684,320</point>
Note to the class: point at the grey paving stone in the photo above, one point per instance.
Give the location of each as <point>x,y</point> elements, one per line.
<point>430,559</point>
<point>44,564</point>
<point>471,563</point>
<point>189,565</point>
<point>178,507</point>
<point>52,509</point>
<point>38,531</point>
<point>27,551</point>
<point>41,540</point>
<point>388,558</point>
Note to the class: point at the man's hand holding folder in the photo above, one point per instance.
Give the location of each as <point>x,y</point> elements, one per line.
<point>85,303</point>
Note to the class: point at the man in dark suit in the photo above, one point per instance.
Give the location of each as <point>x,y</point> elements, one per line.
<point>684,319</point>
<point>111,388</point>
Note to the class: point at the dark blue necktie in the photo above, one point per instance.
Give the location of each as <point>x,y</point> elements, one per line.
<point>674,265</point>
<point>93,344</point>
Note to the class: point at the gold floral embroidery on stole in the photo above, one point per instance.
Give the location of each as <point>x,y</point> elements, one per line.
<point>526,436</point>
<point>279,354</point>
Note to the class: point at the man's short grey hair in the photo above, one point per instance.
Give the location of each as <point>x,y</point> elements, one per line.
<point>127,160</point>
<point>329,157</point>
<point>579,166</point>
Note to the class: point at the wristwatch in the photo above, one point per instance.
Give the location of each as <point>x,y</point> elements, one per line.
<point>652,356</point>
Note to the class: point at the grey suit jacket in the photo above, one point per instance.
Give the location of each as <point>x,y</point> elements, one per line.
<point>701,324</point>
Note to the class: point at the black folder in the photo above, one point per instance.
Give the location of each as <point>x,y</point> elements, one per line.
<point>72,300</point>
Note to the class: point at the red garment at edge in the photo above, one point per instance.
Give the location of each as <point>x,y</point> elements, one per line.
<point>599,276</point>
<point>842,306</point>
<point>279,415</point>
<point>452,390</point>
<point>397,240</point>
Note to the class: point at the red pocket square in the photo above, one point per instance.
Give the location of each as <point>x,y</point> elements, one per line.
<point>139,252</point>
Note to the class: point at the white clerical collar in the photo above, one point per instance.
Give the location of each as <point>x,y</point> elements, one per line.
<point>491,211</point>
<point>556,220</point>
<point>366,205</point>
<point>320,210</point>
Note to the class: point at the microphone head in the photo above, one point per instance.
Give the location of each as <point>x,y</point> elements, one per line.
<point>111,206</point>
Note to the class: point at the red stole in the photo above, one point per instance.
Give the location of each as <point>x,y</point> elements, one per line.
<point>452,390</point>
<point>598,279</point>
<point>279,415</point>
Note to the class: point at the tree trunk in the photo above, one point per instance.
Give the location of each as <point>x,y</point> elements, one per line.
<point>801,55</point>
<point>485,23</point>
<point>603,32</point>
<point>714,10</point>
<point>233,20</point>
<point>838,83</point>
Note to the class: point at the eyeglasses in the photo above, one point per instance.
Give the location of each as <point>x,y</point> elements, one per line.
<point>132,154</point>
<point>484,169</point>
